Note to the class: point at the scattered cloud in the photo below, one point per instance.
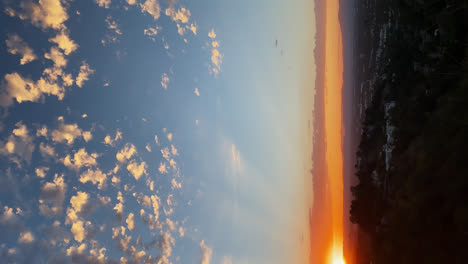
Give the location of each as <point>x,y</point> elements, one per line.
<point>164,80</point>
<point>67,133</point>
<point>26,237</point>
<point>151,32</point>
<point>95,177</point>
<point>64,42</point>
<point>148,148</point>
<point>216,57</point>
<point>52,195</point>
<point>16,45</point>
<point>126,153</point>
<point>44,14</point>
<point>197,92</point>
<point>80,159</point>
<point>19,145</point>
<point>152,7</point>
<point>46,150</point>
<point>137,170</point>
<point>41,172</point>
<point>181,15</point>
<point>103,3</point>
<point>130,221</point>
<point>83,75</point>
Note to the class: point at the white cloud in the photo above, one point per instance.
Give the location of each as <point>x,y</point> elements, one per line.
<point>16,45</point>
<point>52,195</point>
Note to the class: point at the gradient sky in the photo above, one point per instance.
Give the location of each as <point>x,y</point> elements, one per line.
<point>165,132</point>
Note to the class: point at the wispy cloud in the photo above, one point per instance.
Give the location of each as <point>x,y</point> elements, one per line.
<point>164,80</point>
<point>205,253</point>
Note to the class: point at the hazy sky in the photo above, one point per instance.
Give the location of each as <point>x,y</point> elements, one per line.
<point>165,132</point>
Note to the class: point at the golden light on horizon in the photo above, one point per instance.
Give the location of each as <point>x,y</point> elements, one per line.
<point>333,125</point>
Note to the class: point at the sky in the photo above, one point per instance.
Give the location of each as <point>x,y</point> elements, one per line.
<point>146,131</point>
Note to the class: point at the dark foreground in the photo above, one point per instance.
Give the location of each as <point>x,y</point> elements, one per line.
<point>411,70</point>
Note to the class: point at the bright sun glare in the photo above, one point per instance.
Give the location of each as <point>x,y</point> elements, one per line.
<point>339,261</point>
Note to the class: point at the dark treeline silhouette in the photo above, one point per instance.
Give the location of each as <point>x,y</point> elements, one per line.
<point>412,161</point>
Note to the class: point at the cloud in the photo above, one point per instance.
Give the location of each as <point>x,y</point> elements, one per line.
<point>42,132</point>
<point>155,201</point>
<point>26,237</point>
<point>126,153</point>
<point>103,3</point>
<point>44,14</point>
<point>193,28</point>
<point>57,57</point>
<point>79,201</point>
<point>52,195</point>
<point>109,141</point>
<point>131,2</point>
<point>152,32</point>
<point>165,243</point>
<point>205,253</point>
<point>46,150</point>
<point>137,170</point>
<point>156,139</point>
<point>16,45</point>
<point>64,42</point>
<point>85,72</point>
<point>41,172</point>
<point>80,159</point>
<point>175,184</point>
<point>162,168</point>
<point>8,217</point>
<point>227,260</point>
<point>164,80</point>
<point>79,204</point>
<point>148,148</point>
<point>94,176</point>
<point>19,146</point>
<point>119,207</point>
<point>182,15</point>
<point>152,7</point>
<point>197,92</point>
<point>130,221</point>
<point>26,90</point>
<point>67,133</point>
<point>169,136</point>
<point>115,32</point>
<point>216,57</point>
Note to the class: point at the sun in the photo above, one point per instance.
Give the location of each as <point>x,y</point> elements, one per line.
<point>339,261</point>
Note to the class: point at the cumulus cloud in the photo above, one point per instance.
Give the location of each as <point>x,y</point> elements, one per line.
<point>83,75</point>
<point>197,92</point>
<point>44,13</point>
<point>137,170</point>
<point>78,226</point>
<point>152,7</point>
<point>126,153</point>
<point>19,145</point>
<point>119,207</point>
<point>80,159</point>
<point>108,140</point>
<point>205,253</point>
<point>64,42</point>
<point>103,3</point>
<point>115,32</point>
<point>52,195</point>
<point>164,80</point>
<point>26,237</point>
<point>162,168</point>
<point>130,221</point>
<point>67,133</point>
<point>131,2</point>
<point>25,90</point>
<point>95,177</point>
<point>16,45</point>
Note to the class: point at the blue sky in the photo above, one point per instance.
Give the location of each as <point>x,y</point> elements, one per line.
<point>153,131</point>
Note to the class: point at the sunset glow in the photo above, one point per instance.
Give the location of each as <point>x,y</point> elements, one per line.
<point>333,125</point>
